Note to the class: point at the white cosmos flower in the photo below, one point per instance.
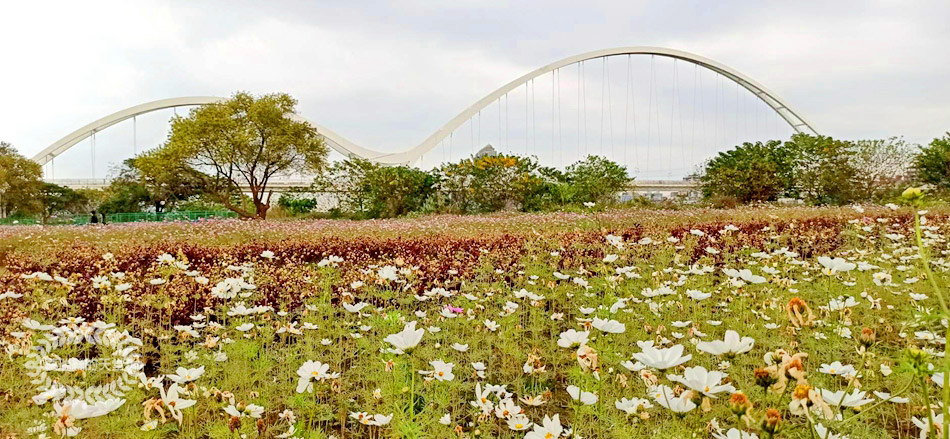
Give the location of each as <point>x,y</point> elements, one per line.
<point>446,419</point>
<point>388,273</point>
<point>836,368</point>
<point>735,433</point>
<point>856,398</point>
<point>518,422</point>
<point>824,433</point>
<point>441,370</point>
<point>380,420</point>
<point>245,327</point>
<point>406,339</point>
<point>173,401</point>
<point>355,307</point>
<point>183,375</point>
<point>895,399</point>
<point>573,337</point>
<point>663,395</point>
<point>587,398</point>
<point>309,372</point>
<point>632,406</point>
<point>703,381</point>
<point>731,344</point>
<point>610,326</point>
<point>924,424</point>
<point>663,358</point>
<point>744,274</point>
<point>267,254</point>
<point>697,295</point>
<point>460,347</point>
<point>549,428</point>
<point>836,265</point>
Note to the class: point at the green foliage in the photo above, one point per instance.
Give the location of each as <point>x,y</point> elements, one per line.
<point>932,163</point>
<point>296,204</point>
<point>490,183</point>
<point>749,172</point>
<point>824,169</point>
<point>20,183</point>
<point>242,143</point>
<point>372,190</point>
<point>817,169</point>
<point>62,200</point>
<point>596,179</point>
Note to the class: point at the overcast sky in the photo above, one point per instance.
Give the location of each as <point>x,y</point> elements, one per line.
<point>388,74</point>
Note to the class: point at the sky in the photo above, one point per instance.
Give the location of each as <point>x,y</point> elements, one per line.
<point>388,74</point>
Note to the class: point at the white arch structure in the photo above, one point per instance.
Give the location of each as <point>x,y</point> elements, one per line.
<point>350,149</point>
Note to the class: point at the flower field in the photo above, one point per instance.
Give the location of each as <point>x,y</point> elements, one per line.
<point>755,322</point>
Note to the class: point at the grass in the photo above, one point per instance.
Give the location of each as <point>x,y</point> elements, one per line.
<point>479,263</point>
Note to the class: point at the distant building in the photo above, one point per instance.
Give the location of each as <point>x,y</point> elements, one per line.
<point>488,150</point>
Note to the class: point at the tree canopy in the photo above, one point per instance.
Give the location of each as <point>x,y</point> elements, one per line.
<point>241,145</point>
<point>20,183</point>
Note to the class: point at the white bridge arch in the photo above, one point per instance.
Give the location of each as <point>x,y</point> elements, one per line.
<point>349,149</point>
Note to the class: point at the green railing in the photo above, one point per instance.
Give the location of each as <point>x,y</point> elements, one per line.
<point>190,215</point>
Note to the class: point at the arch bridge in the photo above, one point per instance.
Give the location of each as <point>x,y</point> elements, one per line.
<point>794,119</point>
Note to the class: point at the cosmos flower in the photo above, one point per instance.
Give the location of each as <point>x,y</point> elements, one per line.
<point>662,358</point>
<point>587,398</point>
<point>664,396</point>
<point>703,381</point>
<point>549,428</point>
<point>572,337</point>
<point>406,339</point>
<point>730,345</point>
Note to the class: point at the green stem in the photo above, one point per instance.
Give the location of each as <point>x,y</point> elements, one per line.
<point>925,260</point>
<point>930,413</point>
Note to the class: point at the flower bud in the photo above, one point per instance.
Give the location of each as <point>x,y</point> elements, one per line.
<point>868,337</point>
<point>772,421</point>
<point>739,404</point>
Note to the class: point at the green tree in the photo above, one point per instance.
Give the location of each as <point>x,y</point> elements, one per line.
<point>824,170</point>
<point>597,179</point>
<point>59,200</point>
<point>20,183</point>
<point>241,145</point>
<point>932,163</point>
<point>490,183</point>
<point>749,172</point>
<point>126,192</point>
<point>168,181</point>
<point>377,191</point>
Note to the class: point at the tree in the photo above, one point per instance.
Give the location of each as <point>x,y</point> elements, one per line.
<point>58,199</point>
<point>126,192</point>
<point>490,183</point>
<point>20,183</point>
<point>932,163</point>
<point>168,181</point>
<point>597,179</point>
<point>824,169</point>
<point>377,191</point>
<point>749,172</point>
<point>884,165</point>
<point>241,144</point>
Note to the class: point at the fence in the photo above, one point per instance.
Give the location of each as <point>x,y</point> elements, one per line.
<point>190,215</point>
